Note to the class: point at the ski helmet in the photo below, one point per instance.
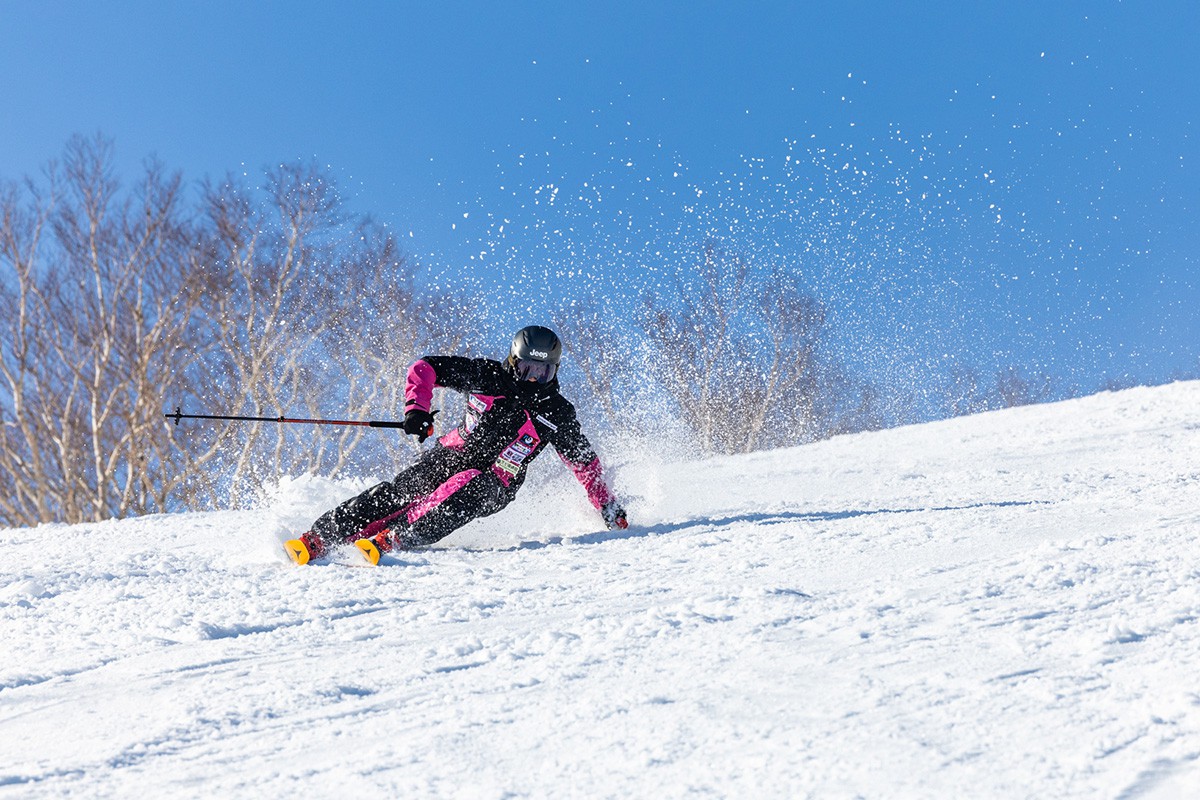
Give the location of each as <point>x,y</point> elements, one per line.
<point>535,354</point>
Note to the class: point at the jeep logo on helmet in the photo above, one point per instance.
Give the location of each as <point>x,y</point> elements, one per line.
<point>538,354</point>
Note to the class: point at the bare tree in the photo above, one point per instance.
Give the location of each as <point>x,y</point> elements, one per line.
<point>598,354</point>
<point>93,311</point>
<point>118,305</point>
<point>965,395</point>
<point>1015,388</point>
<point>271,301</point>
<point>790,387</point>
<point>384,325</point>
<point>26,456</point>
<point>314,315</point>
<point>738,353</point>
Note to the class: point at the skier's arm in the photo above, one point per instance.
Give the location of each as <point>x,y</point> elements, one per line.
<point>451,372</point>
<point>577,453</point>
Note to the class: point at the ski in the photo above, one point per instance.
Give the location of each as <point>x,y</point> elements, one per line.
<point>297,551</point>
<point>369,550</point>
<point>305,550</point>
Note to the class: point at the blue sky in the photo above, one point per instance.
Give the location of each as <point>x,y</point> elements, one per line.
<point>977,183</point>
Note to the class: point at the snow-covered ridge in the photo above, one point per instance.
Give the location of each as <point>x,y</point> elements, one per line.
<point>1005,605</point>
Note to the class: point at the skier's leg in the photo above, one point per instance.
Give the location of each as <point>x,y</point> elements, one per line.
<point>387,499</point>
<point>481,496</point>
<point>429,472</point>
<point>464,497</point>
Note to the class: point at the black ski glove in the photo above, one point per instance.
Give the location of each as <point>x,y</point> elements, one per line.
<point>418,423</point>
<point>614,515</point>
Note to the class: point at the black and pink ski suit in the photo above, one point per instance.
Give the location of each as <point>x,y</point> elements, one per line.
<point>476,469</point>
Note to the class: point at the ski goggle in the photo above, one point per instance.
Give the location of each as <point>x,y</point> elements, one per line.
<point>539,371</point>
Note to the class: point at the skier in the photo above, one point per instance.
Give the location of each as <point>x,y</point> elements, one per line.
<point>513,411</point>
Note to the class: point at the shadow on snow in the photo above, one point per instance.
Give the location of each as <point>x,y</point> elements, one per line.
<point>762,518</point>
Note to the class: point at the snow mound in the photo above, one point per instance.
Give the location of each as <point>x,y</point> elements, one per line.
<point>993,606</point>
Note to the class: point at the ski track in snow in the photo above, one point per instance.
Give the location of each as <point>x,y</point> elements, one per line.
<point>995,606</point>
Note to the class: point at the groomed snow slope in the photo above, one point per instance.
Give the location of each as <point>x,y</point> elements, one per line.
<point>1004,605</point>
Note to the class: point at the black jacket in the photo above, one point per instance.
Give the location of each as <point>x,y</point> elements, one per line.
<point>507,423</point>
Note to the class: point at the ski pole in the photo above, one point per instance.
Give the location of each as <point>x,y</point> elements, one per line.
<point>178,415</point>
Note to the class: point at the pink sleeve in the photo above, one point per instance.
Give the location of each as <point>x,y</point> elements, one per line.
<point>589,475</point>
<point>418,389</point>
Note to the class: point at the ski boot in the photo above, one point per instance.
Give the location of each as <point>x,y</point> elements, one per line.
<point>306,548</point>
<point>373,547</point>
